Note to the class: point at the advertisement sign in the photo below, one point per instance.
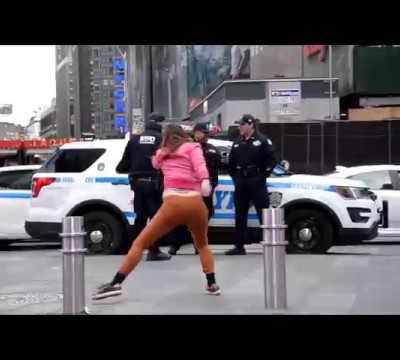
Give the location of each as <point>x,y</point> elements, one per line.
<point>315,50</point>
<point>284,99</point>
<point>285,96</point>
<point>120,123</point>
<point>33,144</point>
<point>209,65</point>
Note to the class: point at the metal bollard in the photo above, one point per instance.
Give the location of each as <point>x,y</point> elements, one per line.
<point>73,261</point>
<point>274,258</point>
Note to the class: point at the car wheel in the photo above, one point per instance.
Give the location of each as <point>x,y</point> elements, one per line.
<point>4,244</point>
<point>308,231</point>
<point>104,232</point>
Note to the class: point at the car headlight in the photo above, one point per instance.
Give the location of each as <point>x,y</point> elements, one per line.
<point>348,192</point>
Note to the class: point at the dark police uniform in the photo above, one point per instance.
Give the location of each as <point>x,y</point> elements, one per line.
<point>250,163</point>
<point>145,181</point>
<point>213,163</point>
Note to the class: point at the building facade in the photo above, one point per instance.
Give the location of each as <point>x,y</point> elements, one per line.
<point>48,121</point>
<point>64,91</point>
<point>107,90</point>
<point>10,131</point>
<point>174,79</point>
<point>32,130</point>
<point>91,96</point>
<point>182,76</point>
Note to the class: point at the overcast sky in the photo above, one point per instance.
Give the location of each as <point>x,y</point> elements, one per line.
<point>27,79</point>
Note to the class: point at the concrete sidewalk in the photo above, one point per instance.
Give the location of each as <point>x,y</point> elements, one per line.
<point>350,280</point>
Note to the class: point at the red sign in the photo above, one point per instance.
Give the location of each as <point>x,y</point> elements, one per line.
<point>33,144</point>
<point>10,144</point>
<point>311,50</point>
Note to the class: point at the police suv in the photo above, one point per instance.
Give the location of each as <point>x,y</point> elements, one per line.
<point>80,179</point>
<point>15,194</point>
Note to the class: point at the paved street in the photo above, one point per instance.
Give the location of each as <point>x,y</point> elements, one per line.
<point>350,280</point>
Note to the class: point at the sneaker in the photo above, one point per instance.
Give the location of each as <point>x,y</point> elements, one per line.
<point>107,290</point>
<point>173,249</point>
<point>213,290</point>
<point>157,256</point>
<point>236,251</point>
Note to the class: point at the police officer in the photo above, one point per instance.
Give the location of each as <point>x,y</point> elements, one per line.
<point>213,163</point>
<point>251,161</point>
<point>145,181</point>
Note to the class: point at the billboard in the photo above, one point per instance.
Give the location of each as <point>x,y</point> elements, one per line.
<point>319,51</point>
<point>209,65</point>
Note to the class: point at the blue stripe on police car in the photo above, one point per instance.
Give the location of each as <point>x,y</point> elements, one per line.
<point>105,180</point>
<point>15,195</point>
<point>271,185</point>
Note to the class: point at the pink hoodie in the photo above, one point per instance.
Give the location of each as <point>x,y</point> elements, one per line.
<point>183,169</point>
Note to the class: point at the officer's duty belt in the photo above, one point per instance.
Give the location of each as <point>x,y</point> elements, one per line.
<point>148,178</point>
<point>248,171</point>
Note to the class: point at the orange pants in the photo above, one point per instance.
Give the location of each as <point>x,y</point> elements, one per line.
<point>175,211</point>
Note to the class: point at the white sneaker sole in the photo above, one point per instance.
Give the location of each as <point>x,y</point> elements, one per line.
<point>106,295</point>
<point>213,293</point>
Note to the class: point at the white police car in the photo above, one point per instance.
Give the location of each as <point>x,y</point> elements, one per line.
<point>384,181</point>
<point>15,194</point>
<point>81,179</point>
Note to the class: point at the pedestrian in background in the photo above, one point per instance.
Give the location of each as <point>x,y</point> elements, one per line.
<point>186,180</point>
<point>251,161</point>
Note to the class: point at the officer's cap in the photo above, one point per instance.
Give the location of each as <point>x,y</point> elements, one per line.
<point>203,127</point>
<point>247,119</point>
<point>157,117</point>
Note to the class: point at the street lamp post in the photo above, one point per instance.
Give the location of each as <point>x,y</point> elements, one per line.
<point>330,83</point>
<point>169,87</point>
<point>139,82</point>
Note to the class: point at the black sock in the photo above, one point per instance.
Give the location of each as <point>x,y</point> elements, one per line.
<point>118,278</point>
<point>154,249</point>
<point>210,279</point>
